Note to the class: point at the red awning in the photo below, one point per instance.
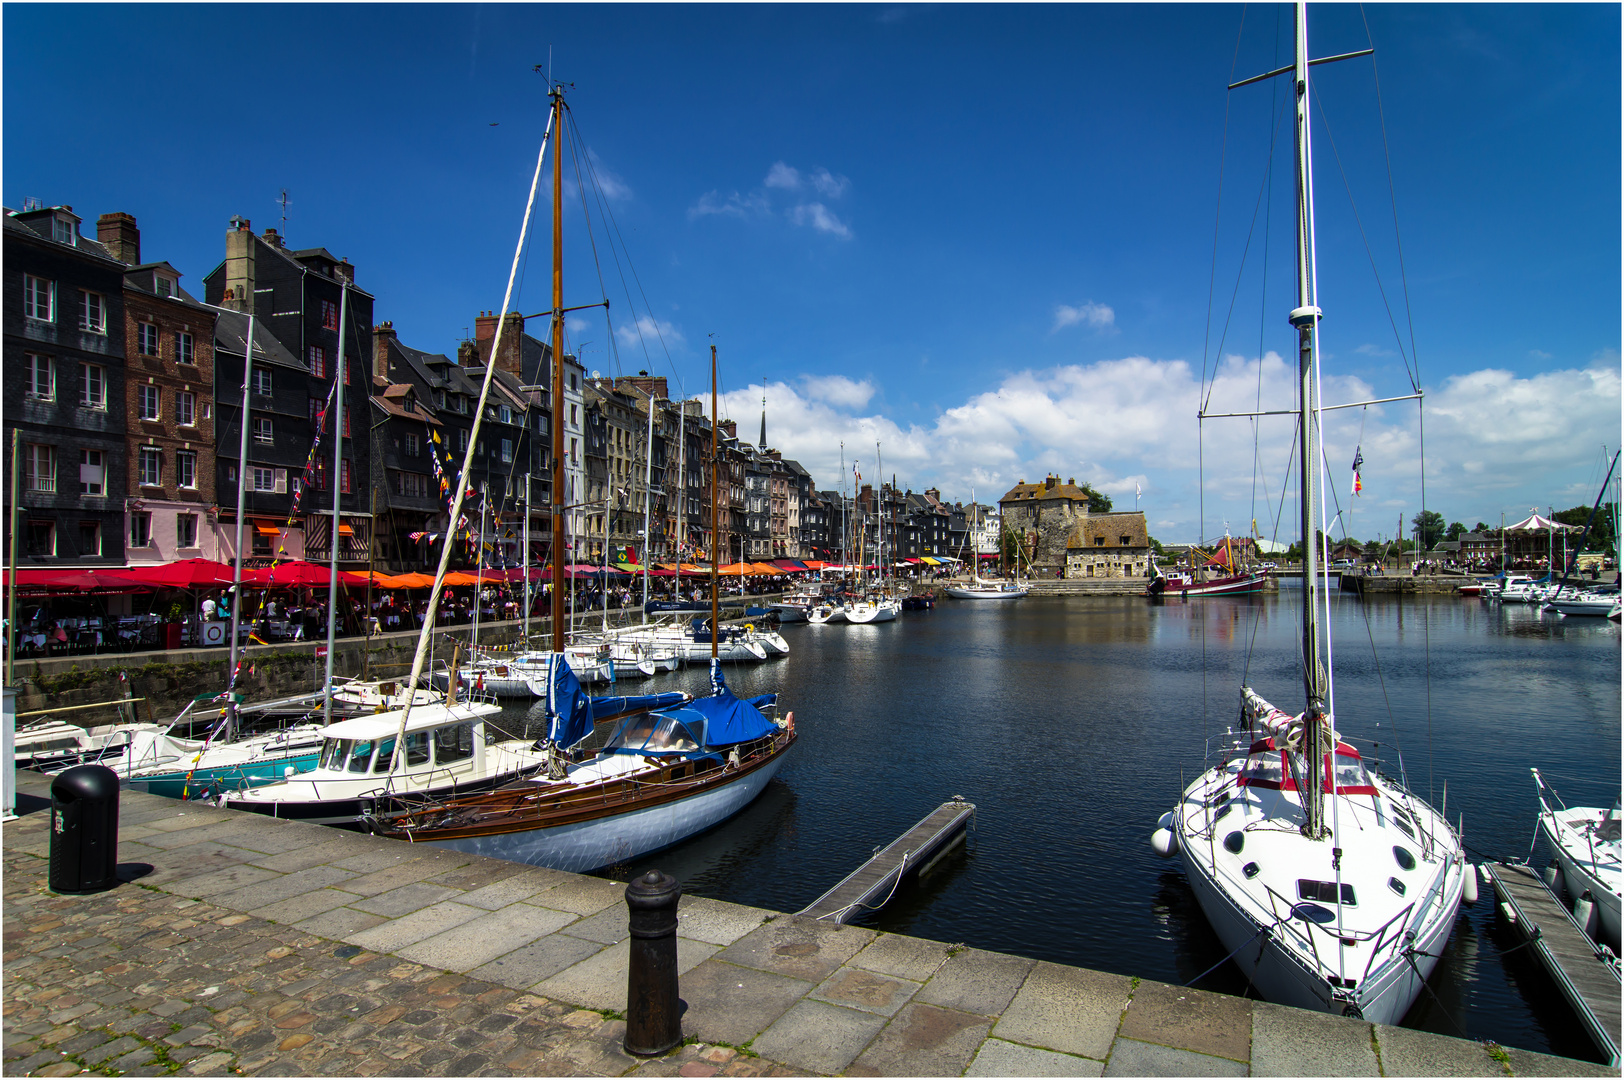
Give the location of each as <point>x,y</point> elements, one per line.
<point>185,574</point>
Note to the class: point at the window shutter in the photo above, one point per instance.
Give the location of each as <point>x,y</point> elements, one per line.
<point>281,484</point>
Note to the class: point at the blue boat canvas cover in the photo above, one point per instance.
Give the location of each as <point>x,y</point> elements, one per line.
<point>571,714</point>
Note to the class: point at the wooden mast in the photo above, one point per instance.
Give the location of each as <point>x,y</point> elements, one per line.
<point>716,462</point>
<point>558,375</point>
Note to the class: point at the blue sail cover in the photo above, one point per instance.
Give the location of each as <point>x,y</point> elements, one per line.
<point>571,714</point>
<point>569,710</point>
<point>722,719</point>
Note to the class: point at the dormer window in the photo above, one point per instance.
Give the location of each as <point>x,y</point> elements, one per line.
<point>165,286</point>
<point>63,231</point>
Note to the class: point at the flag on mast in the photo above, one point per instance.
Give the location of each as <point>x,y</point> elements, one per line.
<point>1358,463</point>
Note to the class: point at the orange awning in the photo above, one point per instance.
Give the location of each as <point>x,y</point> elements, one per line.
<point>266,530</point>
<point>345,530</point>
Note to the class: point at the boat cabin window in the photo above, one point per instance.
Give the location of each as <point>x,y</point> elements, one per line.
<point>652,733</point>
<point>386,750</point>
<point>417,749</point>
<point>1324,892</point>
<point>454,743</point>
<point>335,754</point>
<point>1350,774</point>
<point>360,756</point>
<point>1266,768</point>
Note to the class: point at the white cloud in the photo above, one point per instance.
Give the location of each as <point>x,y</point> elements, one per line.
<point>575,324</point>
<point>1538,354</point>
<point>783,176</point>
<point>1096,315</point>
<point>735,205</point>
<point>1494,440</point>
<point>1368,349</point>
<point>650,332</point>
<point>838,390</point>
<point>613,187</point>
<point>829,185</point>
<point>820,218</point>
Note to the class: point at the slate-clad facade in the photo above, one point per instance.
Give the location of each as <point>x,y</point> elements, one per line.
<point>64,386</point>
<point>298,297</point>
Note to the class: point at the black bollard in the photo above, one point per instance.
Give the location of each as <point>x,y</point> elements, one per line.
<point>84,830</point>
<point>653,1024</point>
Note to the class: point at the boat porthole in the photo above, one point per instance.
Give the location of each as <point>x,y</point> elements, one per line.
<point>1405,860</point>
<point>1234,842</point>
<point>1250,870</point>
<point>1396,885</point>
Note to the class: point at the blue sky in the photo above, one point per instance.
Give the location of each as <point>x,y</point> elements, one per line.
<point>983,235</point>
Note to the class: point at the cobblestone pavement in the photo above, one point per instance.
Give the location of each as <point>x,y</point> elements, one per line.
<point>240,945</point>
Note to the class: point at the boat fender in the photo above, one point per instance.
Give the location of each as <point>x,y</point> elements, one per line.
<point>789,722</point>
<point>1164,843</point>
<point>1468,891</point>
<point>1165,821</point>
<point>1585,913</point>
<point>1553,878</point>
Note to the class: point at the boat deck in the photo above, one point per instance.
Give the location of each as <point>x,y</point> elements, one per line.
<point>1586,979</point>
<point>915,849</point>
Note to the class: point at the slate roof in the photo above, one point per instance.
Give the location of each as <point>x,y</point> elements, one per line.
<point>231,332</point>
<point>16,222</point>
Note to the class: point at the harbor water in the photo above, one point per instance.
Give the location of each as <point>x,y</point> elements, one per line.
<point>1074,723</point>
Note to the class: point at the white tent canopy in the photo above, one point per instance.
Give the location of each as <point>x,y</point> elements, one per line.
<point>1542,524</point>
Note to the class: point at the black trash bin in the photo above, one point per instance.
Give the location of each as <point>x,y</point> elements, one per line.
<point>84,830</point>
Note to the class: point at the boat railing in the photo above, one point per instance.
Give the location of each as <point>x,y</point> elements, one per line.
<point>1384,941</point>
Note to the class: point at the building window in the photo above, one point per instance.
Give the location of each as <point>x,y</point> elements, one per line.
<point>186,468</point>
<point>344,476</point>
<point>186,530</point>
<point>147,336</point>
<point>92,386</point>
<point>62,230</point>
<point>321,475</point>
<point>411,444</point>
<point>504,414</point>
<point>39,298</point>
<point>315,407</point>
<point>262,382</point>
<point>462,439</point>
<point>140,529</point>
<point>439,398</point>
<point>92,473</point>
<point>346,423</point>
<point>183,349</point>
<point>39,467</point>
<point>572,415</point>
<point>415,485</point>
<point>90,538</point>
<point>574,456</point>
<point>41,377</point>
<point>1124,541</point>
<point>185,408</point>
<point>318,361</point>
<point>42,538</point>
<point>93,313</point>
<point>262,430</point>
<point>165,286</point>
<point>147,402</point>
<point>151,467</point>
<point>264,479</point>
<point>329,315</point>
<point>507,450</point>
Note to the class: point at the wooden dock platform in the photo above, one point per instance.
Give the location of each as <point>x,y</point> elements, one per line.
<point>1586,978</point>
<point>914,850</point>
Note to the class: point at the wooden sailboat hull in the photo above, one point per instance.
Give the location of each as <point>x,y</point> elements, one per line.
<point>597,825</point>
<point>1235,585</point>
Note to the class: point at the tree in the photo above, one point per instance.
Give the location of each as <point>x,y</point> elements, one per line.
<point>1481,527</point>
<point>1098,502</point>
<point>1430,525</point>
<point>1601,529</point>
<point>1455,530</point>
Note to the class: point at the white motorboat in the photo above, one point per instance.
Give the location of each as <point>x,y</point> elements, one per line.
<point>1586,845</point>
<point>1584,603</point>
<point>874,610</point>
<point>1331,887</point>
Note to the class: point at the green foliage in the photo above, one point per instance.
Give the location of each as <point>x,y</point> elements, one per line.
<point>1098,502</point>
<point>1455,531</point>
<point>1601,530</point>
<point>1156,546</point>
<point>1430,525</point>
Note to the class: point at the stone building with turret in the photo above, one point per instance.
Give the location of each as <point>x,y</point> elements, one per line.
<point>1043,518</point>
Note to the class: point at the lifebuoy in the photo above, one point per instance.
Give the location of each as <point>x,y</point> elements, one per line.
<point>749,628</point>
<point>789,721</point>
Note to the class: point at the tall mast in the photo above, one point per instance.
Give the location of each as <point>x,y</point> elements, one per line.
<point>337,420</point>
<point>1305,317</point>
<point>648,492</point>
<point>715,552</point>
<point>559,633</point>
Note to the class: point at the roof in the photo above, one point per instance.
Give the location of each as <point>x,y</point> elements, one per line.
<point>1024,491</point>
<point>231,332</point>
<point>22,224</point>
<point>1129,523</point>
<point>392,401</point>
<point>385,725</point>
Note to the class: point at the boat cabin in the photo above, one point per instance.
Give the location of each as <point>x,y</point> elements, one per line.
<point>1266,767</point>
<point>436,737</point>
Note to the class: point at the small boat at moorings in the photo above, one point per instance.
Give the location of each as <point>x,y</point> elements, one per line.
<point>1220,575</point>
<point>1589,854</point>
<point>664,775</point>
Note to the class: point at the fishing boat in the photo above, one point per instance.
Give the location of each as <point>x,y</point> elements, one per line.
<point>1331,886</point>
<point>1589,857</point>
<point>664,774</point>
<point>1220,575</point>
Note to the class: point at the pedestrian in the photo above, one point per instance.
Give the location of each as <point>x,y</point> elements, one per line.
<point>208,609</point>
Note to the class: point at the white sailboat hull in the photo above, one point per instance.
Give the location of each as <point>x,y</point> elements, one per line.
<point>985,592</point>
<point>863,612</point>
<point>1586,868</point>
<point>589,845</point>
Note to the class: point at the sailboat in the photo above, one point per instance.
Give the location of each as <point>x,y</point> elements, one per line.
<point>1231,579</point>
<point>662,776</point>
<point>979,587</point>
<point>1589,856</point>
<point>1332,887</point>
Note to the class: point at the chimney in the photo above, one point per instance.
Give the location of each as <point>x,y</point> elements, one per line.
<point>239,292</point>
<point>484,336</point>
<point>383,335</point>
<point>345,272</point>
<point>1050,481</point>
<point>512,358</point>
<point>117,233</point>
<point>273,238</point>
<point>468,354</point>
